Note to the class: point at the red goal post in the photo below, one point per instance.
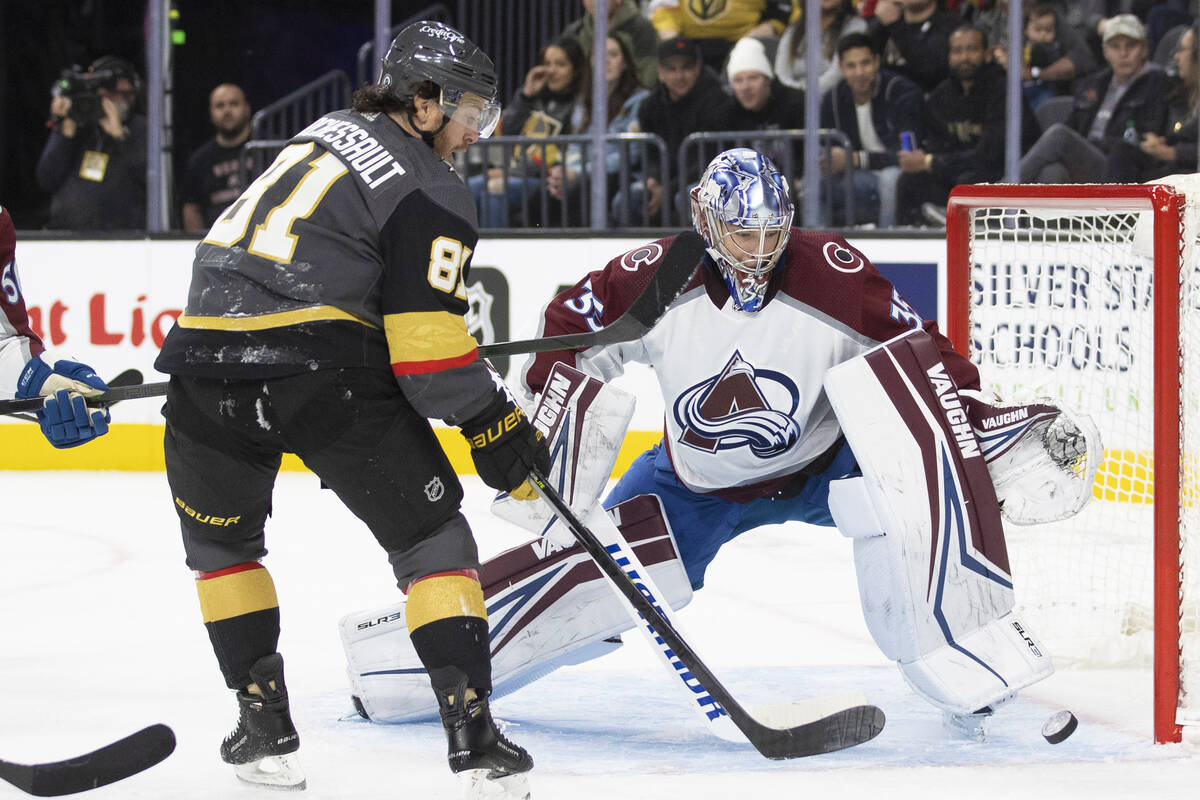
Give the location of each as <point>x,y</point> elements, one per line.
<point>1046,291</point>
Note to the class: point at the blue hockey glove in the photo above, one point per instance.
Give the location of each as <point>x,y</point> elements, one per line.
<point>65,418</point>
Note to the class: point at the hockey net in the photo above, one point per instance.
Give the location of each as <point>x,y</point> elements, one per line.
<point>1057,291</point>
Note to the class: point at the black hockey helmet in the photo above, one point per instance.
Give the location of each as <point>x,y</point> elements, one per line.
<point>433,51</point>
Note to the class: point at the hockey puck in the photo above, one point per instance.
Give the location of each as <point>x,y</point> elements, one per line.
<point>1059,726</point>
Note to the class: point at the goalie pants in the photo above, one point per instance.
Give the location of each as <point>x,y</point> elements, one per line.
<point>225,439</point>
<point>702,523</point>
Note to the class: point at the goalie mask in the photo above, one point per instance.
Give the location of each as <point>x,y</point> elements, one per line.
<point>465,76</point>
<point>743,211</point>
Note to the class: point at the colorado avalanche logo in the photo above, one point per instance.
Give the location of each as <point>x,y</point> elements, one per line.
<point>643,256</point>
<point>731,410</point>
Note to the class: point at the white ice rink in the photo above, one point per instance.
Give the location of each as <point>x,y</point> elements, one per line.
<point>102,636</point>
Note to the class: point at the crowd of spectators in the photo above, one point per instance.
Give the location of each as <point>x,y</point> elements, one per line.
<point>916,90</point>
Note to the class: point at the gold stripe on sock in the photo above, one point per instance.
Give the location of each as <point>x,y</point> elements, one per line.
<point>236,593</point>
<point>442,597</point>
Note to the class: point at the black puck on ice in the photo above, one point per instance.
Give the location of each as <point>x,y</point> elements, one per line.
<point>1059,726</point>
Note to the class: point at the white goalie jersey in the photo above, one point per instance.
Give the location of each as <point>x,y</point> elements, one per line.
<point>745,408</point>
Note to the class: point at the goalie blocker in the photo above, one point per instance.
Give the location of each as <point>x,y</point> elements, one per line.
<point>929,549</point>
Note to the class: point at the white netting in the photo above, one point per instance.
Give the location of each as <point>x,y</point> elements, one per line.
<point>1061,307</point>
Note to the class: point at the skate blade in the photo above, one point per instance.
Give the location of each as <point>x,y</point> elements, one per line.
<point>968,726</point>
<point>273,772</point>
<point>476,785</point>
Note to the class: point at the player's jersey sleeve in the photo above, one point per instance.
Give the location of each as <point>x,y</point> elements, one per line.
<point>427,249</point>
<point>18,342</point>
<point>839,281</point>
<point>596,301</point>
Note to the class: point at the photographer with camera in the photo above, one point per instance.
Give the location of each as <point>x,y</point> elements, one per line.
<point>94,163</point>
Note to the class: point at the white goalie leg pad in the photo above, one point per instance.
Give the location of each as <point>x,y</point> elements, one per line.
<point>935,585</point>
<point>584,421</point>
<point>547,607</point>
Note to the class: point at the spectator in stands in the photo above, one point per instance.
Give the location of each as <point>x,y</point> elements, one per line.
<point>553,101</point>
<point>873,107</point>
<point>1158,17</point>
<point>964,130</point>
<point>914,36</point>
<point>1053,53</point>
<point>715,33</point>
<point>1126,100</point>
<point>625,96</point>
<point>685,101</point>
<point>216,173</point>
<point>1173,150</point>
<point>1163,15</point>
<point>760,102</point>
<point>624,16</point>
<point>838,18</point>
<point>94,163</point>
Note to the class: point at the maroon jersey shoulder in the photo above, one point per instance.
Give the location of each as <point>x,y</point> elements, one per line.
<point>11,298</point>
<point>828,274</point>
<point>596,300</point>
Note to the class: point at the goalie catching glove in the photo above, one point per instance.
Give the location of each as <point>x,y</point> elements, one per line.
<point>1042,457</point>
<point>505,447</point>
<point>65,419</point>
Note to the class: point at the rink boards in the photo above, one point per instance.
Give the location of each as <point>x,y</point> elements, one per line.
<point>109,303</point>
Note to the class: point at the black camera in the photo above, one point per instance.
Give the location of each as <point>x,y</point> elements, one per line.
<point>80,88</point>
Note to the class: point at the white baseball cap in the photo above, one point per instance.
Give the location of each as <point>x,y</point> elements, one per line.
<point>1124,25</point>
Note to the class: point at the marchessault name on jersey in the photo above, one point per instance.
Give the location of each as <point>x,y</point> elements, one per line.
<point>361,151</point>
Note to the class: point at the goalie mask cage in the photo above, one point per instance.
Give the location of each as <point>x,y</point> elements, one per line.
<point>1089,295</point>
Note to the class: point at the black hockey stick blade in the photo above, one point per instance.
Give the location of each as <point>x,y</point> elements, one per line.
<point>842,729</point>
<point>109,764</point>
<point>128,377</point>
<point>677,267</point>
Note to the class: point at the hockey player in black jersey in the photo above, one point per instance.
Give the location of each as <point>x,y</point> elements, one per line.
<point>325,319</point>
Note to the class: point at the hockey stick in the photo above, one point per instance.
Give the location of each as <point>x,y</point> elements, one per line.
<point>111,763</point>
<point>844,728</point>
<point>672,275</point>
<point>128,377</point>
<point>678,265</point>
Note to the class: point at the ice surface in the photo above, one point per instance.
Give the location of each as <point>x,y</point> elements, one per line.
<point>102,635</point>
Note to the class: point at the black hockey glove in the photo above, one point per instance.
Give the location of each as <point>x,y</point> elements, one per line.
<point>504,447</point>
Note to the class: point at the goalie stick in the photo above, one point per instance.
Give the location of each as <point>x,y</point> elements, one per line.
<point>109,764</point>
<point>838,730</point>
<point>677,267</point>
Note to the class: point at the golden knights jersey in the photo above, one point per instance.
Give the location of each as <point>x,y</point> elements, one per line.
<point>351,249</point>
<point>719,19</point>
<point>745,405</point>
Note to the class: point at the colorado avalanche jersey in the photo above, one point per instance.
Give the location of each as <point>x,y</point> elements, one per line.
<point>18,342</point>
<point>745,407</point>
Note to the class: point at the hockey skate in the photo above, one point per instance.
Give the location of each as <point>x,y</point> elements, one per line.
<point>261,746</point>
<point>488,765</point>
<point>971,726</point>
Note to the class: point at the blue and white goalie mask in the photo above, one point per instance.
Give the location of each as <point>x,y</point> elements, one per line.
<point>743,210</point>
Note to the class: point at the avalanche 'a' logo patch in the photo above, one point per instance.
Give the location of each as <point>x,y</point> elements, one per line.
<point>732,410</point>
